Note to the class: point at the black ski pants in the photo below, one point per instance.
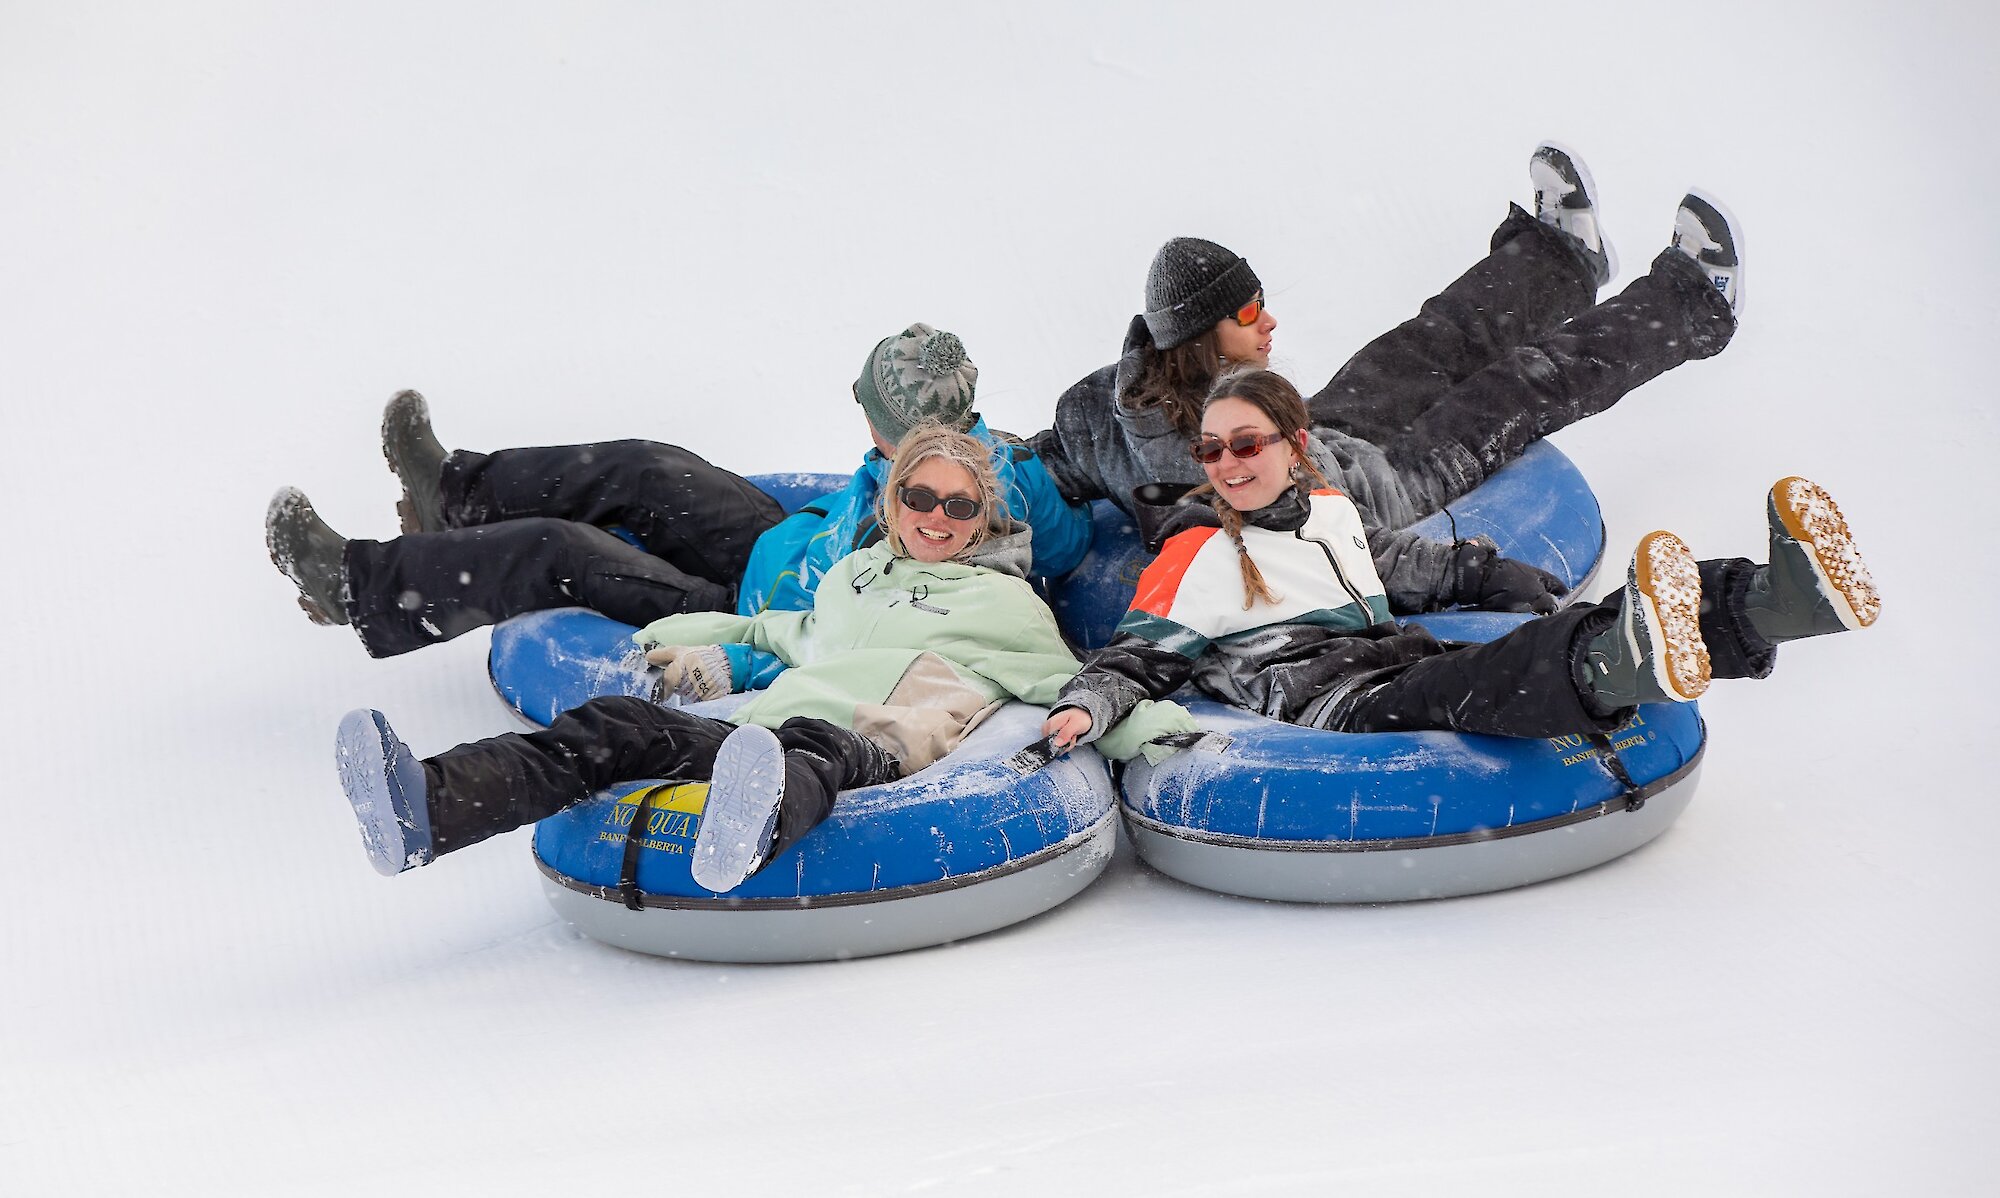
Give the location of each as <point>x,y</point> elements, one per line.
<point>491,786</point>
<point>1513,350</point>
<point>527,534</point>
<point>1530,682</point>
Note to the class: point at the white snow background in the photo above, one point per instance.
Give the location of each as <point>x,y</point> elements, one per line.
<point>233,230</point>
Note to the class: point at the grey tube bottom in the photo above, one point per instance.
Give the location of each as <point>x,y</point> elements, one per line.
<point>1401,871</point>
<point>852,925</point>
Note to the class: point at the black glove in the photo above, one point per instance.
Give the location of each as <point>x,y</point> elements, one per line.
<point>1482,578</point>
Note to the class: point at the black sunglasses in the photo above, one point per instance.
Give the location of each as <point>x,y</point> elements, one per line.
<point>919,500</point>
<point>1208,450</point>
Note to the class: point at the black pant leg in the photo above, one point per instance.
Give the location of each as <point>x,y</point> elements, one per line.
<point>1522,684</point>
<point>699,517</point>
<point>1533,278</point>
<point>1666,317</point>
<point>492,786</point>
<point>821,760</point>
<point>1735,648</point>
<point>425,588</point>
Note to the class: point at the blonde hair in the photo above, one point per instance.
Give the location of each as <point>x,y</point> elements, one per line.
<point>932,441</point>
<point>1272,394</point>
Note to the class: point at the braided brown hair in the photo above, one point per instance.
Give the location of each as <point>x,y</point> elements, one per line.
<point>1273,395</point>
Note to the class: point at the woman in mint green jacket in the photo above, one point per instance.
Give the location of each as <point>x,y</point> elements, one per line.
<point>908,645</point>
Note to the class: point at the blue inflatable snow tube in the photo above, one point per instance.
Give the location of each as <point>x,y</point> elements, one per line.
<point>1308,816</point>
<point>964,847</point>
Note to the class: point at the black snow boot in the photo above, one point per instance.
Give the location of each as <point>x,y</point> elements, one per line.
<point>309,553</point>
<point>1816,582</point>
<point>416,455</point>
<point>1654,653</point>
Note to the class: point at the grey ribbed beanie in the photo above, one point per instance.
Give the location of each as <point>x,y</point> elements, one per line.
<point>1192,285</point>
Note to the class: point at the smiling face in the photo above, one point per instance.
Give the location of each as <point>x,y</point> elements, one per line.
<point>1247,484</point>
<point>933,536</point>
<point>1246,344</point>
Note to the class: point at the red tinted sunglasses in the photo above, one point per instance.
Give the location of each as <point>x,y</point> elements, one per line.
<point>1244,446</point>
<point>957,507</point>
<point>1247,315</point>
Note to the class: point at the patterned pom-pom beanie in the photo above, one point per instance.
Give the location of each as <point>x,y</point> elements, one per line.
<point>919,374</point>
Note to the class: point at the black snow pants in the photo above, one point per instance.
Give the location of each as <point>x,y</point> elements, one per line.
<point>1530,682</point>
<point>527,534</point>
<point>1513,350</point>
<point>492,786</point>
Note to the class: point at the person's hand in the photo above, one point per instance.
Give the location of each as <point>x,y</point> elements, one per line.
<point>1063,727</point>
<point>694,672</point>
<point>1494,583</point>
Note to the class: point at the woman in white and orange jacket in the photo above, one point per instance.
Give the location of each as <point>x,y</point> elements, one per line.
<point>1269,599</point>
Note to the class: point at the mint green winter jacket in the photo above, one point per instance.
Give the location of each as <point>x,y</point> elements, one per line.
<point>913,654</point>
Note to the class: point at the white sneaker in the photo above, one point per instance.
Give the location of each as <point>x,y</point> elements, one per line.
<point>1566,197</point>
<point>1705,231</point>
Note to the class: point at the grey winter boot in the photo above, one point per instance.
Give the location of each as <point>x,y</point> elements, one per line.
<point>739,821</point>
<point>415,454</point>
<point>1705,231</point>
<point>1654,653</point>
<point>1816,582</point>
<point>1566,197</point>
<point>309,553</point>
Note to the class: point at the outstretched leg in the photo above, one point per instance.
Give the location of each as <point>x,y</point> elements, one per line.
<point>1670,315</point>
<point>425,588</point>
<point>1815,583</point>
<point>1533,279</point>
<point>1580,670</point>
<point>487,787</point>
<point>696,516</point>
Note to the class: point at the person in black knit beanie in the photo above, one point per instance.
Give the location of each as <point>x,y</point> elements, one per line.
<point>1511,351</point>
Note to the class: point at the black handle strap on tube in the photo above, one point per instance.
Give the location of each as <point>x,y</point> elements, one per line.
<point>628,867</point>
<point>1635,795</point>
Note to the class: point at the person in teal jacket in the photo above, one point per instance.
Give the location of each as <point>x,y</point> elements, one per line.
<point>494,535</point>
<point>910,642</point>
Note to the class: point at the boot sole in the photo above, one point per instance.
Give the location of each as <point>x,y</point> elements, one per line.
<point>1669,586</point>
<point>744,794</point>
<point>386,790</point>
<point>1811,517</point>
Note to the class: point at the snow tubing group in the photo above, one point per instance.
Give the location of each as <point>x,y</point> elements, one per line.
<point>968,845</point>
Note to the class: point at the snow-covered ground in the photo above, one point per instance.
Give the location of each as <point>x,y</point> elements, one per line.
<point>233,230</point>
